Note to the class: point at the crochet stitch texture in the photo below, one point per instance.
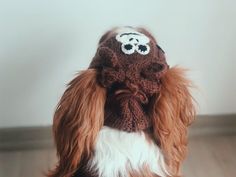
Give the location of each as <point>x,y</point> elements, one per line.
<point>130,65</point>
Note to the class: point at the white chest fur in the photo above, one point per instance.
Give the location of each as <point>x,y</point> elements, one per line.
<point>117,152</point>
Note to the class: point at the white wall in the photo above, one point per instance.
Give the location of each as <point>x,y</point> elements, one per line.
<point>43,43</point>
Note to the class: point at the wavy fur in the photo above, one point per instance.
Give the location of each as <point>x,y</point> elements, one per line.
<point>172,113</point>
<point>77,120</point>
<point>143,172</point>
<point>80,116</point>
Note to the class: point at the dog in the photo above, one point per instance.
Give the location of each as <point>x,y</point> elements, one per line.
<point>126,115</point>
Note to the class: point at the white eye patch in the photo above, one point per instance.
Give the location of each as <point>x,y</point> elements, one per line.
<point>133,41</point>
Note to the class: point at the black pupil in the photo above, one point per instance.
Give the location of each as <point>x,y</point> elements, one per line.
<point>128,46</point>
<point>143,48</point>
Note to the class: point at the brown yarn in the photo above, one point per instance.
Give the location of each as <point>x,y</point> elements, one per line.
<point>130,80</point>
<point>130,92</point>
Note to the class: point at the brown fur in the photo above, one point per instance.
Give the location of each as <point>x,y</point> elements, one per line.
<point>143,172</point>
<point>78,118</point>
<point>172,113</point>
<point>80,115</point>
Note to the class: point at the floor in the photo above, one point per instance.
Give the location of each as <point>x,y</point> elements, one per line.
<point>208,157</point>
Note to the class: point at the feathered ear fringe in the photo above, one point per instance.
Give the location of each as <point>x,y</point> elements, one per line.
<point>78,118</point>
<point>173,112</point>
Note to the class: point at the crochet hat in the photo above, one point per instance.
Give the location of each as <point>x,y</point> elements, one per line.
<point>130,65</point>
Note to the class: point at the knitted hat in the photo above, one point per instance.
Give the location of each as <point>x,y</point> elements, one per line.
<point>129,64</point>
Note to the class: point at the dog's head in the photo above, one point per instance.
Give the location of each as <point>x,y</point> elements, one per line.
<point>128,86</point>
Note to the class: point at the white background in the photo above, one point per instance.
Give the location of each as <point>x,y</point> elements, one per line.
<point>44,43</point>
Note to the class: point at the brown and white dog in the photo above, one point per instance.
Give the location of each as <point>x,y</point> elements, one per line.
<point>126,115</point>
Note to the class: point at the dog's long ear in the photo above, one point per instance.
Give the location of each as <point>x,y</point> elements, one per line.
<point>172,113</point>
<point>78,118</point>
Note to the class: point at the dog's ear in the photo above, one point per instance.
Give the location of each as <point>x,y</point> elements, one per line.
<point>77,120</point>
<point>172,113</point>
